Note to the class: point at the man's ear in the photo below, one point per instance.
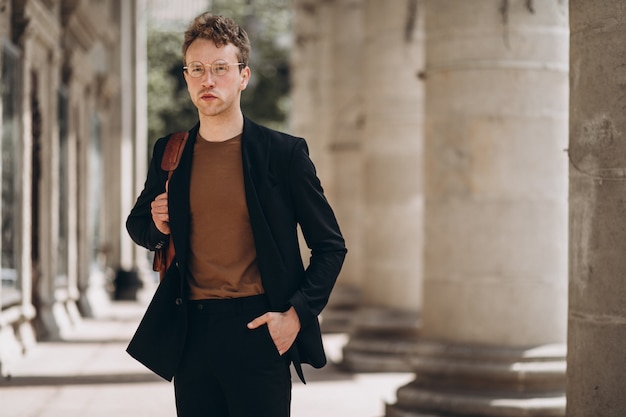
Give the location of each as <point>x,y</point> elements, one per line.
<point>245,78</point>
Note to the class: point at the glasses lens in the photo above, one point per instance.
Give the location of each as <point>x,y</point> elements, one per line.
<point>219,68</point>
<point>195,69</point>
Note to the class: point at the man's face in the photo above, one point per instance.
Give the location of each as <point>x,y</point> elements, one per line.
<point>215,95</point>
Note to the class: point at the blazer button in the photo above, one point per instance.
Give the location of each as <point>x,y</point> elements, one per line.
<point>179,301</point>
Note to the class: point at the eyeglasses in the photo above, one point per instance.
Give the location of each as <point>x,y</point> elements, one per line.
<point>196,69</point>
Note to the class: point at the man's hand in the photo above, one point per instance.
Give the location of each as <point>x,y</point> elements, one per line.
<point>160,212</point>
<point>283,327</point>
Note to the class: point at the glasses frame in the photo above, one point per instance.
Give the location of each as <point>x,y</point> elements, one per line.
<point>212,67</point>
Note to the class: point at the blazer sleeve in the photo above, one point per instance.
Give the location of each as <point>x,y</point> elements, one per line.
<point>139,223</point>
<point>321,233</point>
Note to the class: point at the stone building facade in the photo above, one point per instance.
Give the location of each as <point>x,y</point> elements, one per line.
<point>71,126</point>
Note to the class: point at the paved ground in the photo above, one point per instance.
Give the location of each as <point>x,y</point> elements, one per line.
<point>90,375</point>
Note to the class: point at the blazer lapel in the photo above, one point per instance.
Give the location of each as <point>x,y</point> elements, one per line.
<point>255,149</point>
<point>255,154</point>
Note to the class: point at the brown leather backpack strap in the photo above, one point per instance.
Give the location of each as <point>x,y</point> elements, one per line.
<point>173,150</point>
<point>171,157</point>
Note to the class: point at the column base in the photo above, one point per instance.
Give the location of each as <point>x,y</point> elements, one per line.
<point>456,381</point>
<point>338,314</point>
<point>26,335</point>
<point>56,321</point>
<point>381,340</point>
<point>17,336</point>
<point>73,312</point>
<point>24,327</point>
<point>95,300</point>
<point>10,350</point>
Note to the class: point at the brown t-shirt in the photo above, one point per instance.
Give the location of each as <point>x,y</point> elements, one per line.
<point>222,261</point>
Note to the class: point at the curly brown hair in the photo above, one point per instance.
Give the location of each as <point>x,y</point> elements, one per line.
<point>221,30</point>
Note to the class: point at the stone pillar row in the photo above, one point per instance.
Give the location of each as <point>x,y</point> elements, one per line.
<point>493,228</point>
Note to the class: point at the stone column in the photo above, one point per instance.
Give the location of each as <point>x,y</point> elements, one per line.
<point>16,332</point>
<point>129,115</point>
<point>495,265</point>
<point>596,377</point>
<point>327,110</point>
<point>139,63</point>
<point>311,78</point>
<point>125,82</point>
<point>42,63</point>
<point>141,258</point>
<point>386,327</point>
<point>84,41</point>
<point>343,109</point>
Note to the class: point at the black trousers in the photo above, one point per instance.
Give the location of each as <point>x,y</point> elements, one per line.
<point>228,370</point>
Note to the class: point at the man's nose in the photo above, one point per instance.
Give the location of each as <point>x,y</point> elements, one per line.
<point>208,78</point>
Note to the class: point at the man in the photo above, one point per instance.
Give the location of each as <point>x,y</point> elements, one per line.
<point>232,208</point>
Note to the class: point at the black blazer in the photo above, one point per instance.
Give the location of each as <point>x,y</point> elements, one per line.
<point>282,191</point>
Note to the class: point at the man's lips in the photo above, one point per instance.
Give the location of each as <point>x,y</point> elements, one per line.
<point>207,96</point>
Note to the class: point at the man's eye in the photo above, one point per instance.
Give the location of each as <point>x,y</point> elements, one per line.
<point>220,67</point>
<point>196,69</point>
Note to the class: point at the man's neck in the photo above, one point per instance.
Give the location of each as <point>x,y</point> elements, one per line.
<point>219,128</point>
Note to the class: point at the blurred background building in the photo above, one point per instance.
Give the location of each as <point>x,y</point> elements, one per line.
<point>471,150</point>
<point>73,136</point>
